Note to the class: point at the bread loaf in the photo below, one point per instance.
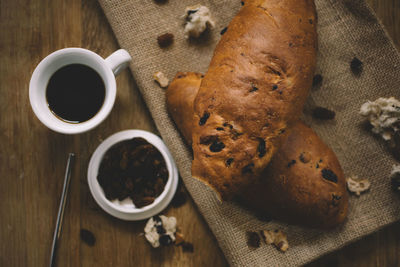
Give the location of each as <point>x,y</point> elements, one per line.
<point>180,96</point>
<point>255,88</point>
<point>303,184</point>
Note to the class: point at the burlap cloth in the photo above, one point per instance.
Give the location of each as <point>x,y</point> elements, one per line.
<point>347,28</point>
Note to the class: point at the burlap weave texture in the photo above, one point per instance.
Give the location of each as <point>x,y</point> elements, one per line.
<point>347,29</point>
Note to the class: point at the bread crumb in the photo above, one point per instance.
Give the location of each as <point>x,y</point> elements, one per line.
<point>384,115</point>
<point>198,18</point>
<point>161,79</point>
<point>160,230</point>
<point>357,186</point>
<point>278,238</point>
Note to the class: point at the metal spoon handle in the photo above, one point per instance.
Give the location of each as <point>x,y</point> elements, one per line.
<point>61,208</point>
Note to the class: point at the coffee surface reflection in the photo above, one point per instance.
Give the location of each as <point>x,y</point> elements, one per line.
<point>75,93</point>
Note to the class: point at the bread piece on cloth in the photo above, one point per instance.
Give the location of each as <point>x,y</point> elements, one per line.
<point>303,184</point>
<point>180,96</point>
<point>255,87</point>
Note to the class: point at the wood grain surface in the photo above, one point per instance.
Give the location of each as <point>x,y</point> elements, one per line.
<point>33,158</point>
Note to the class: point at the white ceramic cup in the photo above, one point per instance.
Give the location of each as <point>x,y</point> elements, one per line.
<point>107,69</point>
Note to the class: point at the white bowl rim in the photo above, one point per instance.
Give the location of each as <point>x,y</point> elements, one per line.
<point>125,213</point>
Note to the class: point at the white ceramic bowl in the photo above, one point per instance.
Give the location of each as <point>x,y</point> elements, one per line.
<point>125,209</point>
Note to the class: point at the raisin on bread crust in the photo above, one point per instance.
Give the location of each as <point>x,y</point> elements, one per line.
<point>304,183</point>
<point>255,88</point>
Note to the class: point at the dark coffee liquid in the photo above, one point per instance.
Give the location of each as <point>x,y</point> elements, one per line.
<point>75,93</point>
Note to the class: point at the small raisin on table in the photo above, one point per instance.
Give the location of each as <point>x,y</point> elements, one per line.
<point>87,237</point>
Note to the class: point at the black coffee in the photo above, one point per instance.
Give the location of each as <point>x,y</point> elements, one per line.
<point>75,93</point>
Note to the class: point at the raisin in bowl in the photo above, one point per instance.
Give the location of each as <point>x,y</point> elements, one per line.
<point>132,175</point>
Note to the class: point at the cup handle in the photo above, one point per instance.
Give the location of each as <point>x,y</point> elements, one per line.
<point>118,61</point>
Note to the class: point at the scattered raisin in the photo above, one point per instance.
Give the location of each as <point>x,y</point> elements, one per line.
<point>311,21</point>
<point>165,39</point>
<point>223,30</point>
<point>160,230</point>
<point>317,80</point>
<point>396,182</point>
<point>229,162</point>
<point>396,145</point>
<point>141,202</point>
<point>291,163</point>
<point>87,237</point>
<point>227,124</point>
<point>323,113</point>
<point>242,2</point>
<point>253,239</point>
<point>217,146</point>
<point>187,247</point>
<point>190,12</point>
<point>317,166</point>
<point>248,168</point>
<point>219,129</point>
<point>262,150</point>
<point>329,175</point>
<point>290,44</point>
<point>356,66</point>
<point>274,87</point>
<point>165,240</point>
<point>204,118</point>
<point>335,200</point>
<point>253,88</point>
<point>157,219</point>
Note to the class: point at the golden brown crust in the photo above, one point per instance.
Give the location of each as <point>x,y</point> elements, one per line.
<point>180,95</point>
<point>292,187</point>
<point>255,88</point>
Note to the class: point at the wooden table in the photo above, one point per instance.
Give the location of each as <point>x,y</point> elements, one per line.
<point>33,158</point>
